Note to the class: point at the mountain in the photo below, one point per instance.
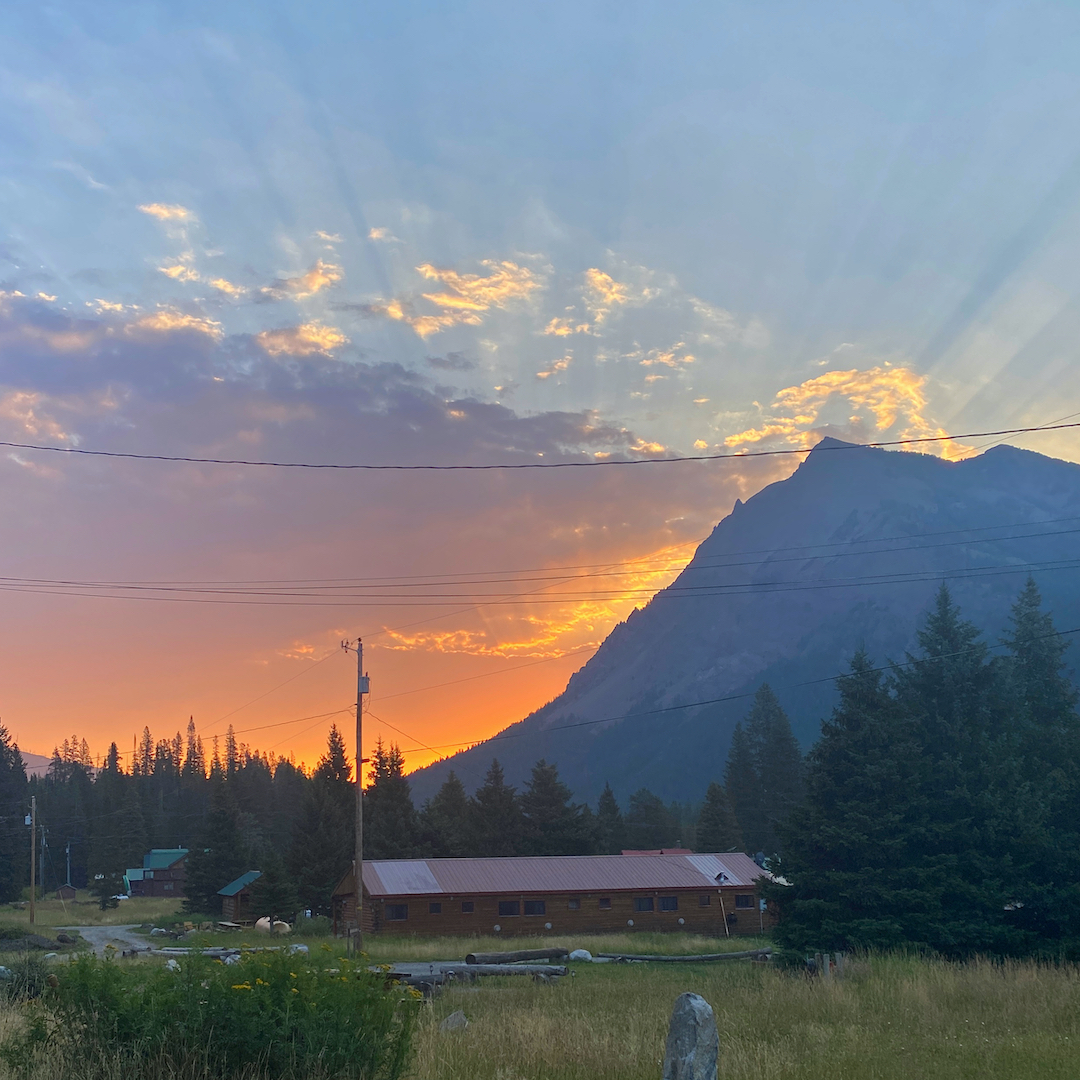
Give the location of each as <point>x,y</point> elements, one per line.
<point>847,551</point>
<point>36,765</point>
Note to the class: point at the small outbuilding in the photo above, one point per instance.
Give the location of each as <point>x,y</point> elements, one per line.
<point>65,892</point>
<point>713,894</point>
<point>236,897</point>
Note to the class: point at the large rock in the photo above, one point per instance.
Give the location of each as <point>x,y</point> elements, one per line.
<point>693,1044</point>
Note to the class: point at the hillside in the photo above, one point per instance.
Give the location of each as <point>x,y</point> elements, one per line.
<point>847,551</point>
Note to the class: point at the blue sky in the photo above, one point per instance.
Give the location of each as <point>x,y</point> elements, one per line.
<point>470,231</point>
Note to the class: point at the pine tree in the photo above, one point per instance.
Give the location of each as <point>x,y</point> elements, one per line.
<point>218,856</point>
<point>273,893</point>
<point>145,755</point>
<point>14,804</point>
<point>743,786</point>
<point>232,754</point>
<point>447,820</point>
<point>498,823</point>
<point>391,827</point>
<point>778,766</point>
<point>649,823</point>
<point>855,854</point>
<point>610,828</point>
<point>552,824</point>
<point>717,827</point>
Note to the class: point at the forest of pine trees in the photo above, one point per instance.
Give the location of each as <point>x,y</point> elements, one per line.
<point>939,809</point>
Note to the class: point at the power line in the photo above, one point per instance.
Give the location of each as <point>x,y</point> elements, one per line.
<point>504,466</point>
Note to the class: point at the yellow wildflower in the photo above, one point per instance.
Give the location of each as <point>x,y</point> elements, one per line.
<point>242,986</point>
<point>295,991</point>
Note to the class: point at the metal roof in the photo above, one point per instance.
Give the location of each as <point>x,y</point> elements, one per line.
<point>162,858</point>
<point>557,873</point>
<point>241,883</point>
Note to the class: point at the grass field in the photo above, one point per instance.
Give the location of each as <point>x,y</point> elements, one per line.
<point>889,1018</point>
<point>84,910</point>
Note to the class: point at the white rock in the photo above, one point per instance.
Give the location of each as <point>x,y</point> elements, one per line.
<point>171,965</point>
<point>581,954</point>
<point>693,1044</point>
<point>456,1021</point>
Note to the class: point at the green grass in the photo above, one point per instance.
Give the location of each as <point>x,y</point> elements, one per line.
<point>84,910</point>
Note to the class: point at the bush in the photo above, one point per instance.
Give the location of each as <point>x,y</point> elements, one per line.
<point>28,979</point>
<point>319,926</point>
<point>271,1014</point>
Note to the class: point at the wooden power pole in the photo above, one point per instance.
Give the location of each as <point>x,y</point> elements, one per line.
<point>363,684</point>
<point>33,857</point>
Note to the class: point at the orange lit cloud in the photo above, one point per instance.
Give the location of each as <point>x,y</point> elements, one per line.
<point>180,272</point>
<point>167,211</point>
<point>382,234</point>
<point>559,365</point>
<point>892,395</point>
<point>26,408</point>
<point>603,292</point>
<point>465,297</point>
<point>321,276</point>
<point>565,327</point>
<point>166,321</point>
<point>226,287</point>
<point>307,339</point>
<point>667,357</point>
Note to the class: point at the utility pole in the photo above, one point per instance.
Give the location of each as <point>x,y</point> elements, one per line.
<point>33,856</point>
<point>69,862</point>
<point>363,686</point>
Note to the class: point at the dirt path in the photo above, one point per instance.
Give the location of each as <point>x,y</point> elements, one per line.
<point>120,937</point>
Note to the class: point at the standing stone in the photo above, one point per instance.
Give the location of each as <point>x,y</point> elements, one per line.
<point>693,1044</point>
<point>456,1021</point>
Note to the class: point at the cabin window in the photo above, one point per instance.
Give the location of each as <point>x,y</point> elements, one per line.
<point>435,907</point>
<point>643,903</point>
<point>509,907</point>
<point>605,903</point>
<point>467,907</point>
<point>574,904</point>
<point>397,912</point>
<point>743,900</point>
<point>148,875</point>
<point>669,903</point>
<point>704,900</point>
<point>167,885</point>
<point>535,907</point>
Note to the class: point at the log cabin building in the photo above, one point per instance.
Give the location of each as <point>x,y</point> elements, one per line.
<point>163,873</point>
<point>704,893</point>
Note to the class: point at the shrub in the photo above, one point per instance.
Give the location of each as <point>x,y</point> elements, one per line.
<point>271,1014</point>
<point>28,979</point>
<point>319,926</point>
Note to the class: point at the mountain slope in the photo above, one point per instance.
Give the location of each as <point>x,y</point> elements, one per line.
<point>847,551</point>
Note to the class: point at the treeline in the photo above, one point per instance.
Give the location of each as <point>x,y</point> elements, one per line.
<point>942,807</point>
<point>240,809</point>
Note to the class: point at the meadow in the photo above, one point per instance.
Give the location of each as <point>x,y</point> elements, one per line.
<point>84,910</point>
<point>889,1018</point>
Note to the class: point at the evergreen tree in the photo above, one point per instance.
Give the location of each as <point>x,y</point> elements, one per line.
<point>610,828</point>
<point>717,827</point>
<point>218,856</point>
<point>447,820</point>
<point>855,854</point>
<point>14,804</point>
<point>649,823</point>
<point>498,823</point>
<point>391,826</point>
<point>553,825</point>
<point>778,766</point>
<point>273,893</point>
<point>743,786</point>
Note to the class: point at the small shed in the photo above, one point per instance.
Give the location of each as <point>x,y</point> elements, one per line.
<point>236,897</point>
<point>65,892</point>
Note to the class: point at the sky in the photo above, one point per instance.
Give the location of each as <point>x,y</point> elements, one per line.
<point>479,234</point>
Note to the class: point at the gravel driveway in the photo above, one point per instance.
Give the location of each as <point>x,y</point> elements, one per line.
<point>120,937</point>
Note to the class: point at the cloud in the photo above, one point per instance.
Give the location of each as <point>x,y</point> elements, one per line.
<point>330,238</point>
<point>321,276</point>
<point>564,327</point>
<point>227,287</point>
<point>465,297</point>
<point>308,339</point>
<point>454,361</point>
<point>893,396</point>
<point>667,357</point>
<point>557,366</point>
<point>382,235</point>
<point>167,211</point>
<point>180,272</point>
<point>167,321</point>
<point>603,293</point>
<point>25,407</point>
<point>46,297</point>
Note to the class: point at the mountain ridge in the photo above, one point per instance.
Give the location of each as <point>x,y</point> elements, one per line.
<point>846,551</point>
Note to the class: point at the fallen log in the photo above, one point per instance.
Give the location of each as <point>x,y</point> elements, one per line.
<point>410,971</point>
<point>514,957</point>
<point>753,954</point>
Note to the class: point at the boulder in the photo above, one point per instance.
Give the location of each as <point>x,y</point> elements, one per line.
<point>693,1045</point>
<point>456,1021</point>
<point>581,954</point>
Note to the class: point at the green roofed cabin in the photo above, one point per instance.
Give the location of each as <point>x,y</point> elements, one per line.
<point>162,873</point>
<point>236,897</point>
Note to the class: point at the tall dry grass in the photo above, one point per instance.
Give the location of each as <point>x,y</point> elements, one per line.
<point>889,1019</point>
<point>85,911</point>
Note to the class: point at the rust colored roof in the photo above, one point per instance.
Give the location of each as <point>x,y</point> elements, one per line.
<point>556,873</point>
<point>659,851</point>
